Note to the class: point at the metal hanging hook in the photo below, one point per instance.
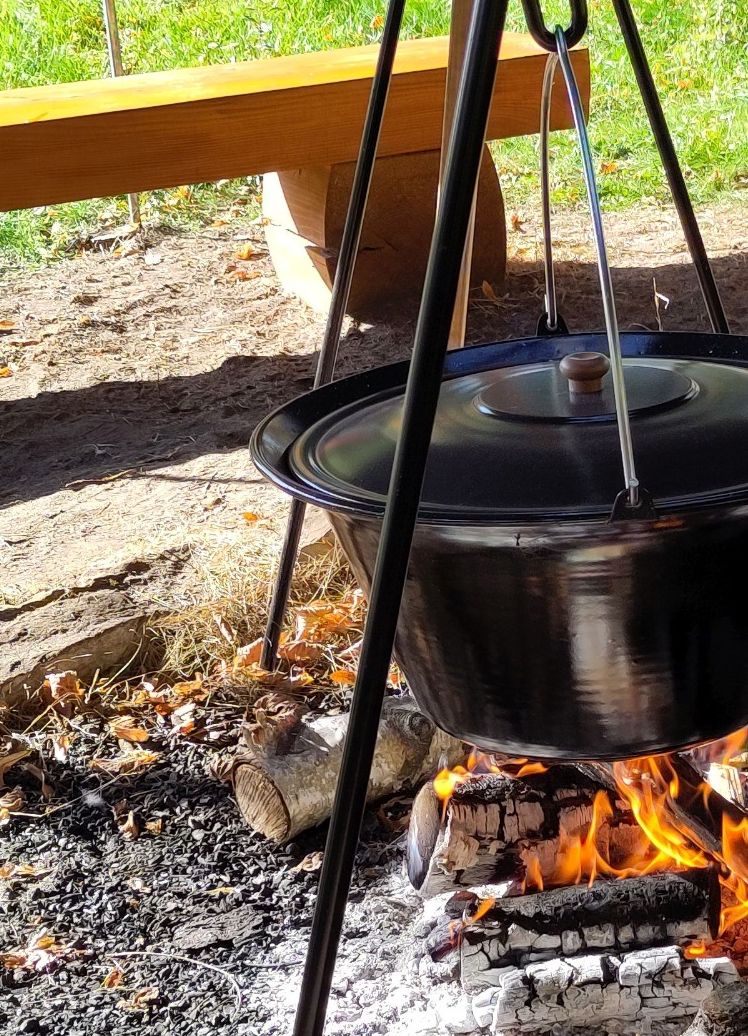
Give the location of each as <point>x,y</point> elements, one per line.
<point>550,322</point>
<point>633,500</point>
<point>545,37</point>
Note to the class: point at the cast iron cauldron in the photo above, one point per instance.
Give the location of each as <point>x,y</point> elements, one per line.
<point>531,622</point>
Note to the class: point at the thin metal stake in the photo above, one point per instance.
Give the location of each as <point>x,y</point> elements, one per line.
<point>338,304</point>
<point>669,159</point>
<point>419,410</point>
<point>116,70</point>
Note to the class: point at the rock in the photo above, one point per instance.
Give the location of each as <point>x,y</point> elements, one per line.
<point>233,927</point>
<point>724,1013</point>
<point>95,626</point>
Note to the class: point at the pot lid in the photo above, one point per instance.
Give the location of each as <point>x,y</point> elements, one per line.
<point>528,441</point>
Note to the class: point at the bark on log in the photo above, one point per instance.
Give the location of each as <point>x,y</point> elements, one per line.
<point>724,1013</point>
<point>614,993</point>
<point>612,916</point>
<point>492,822</point>
<point>287,787</point>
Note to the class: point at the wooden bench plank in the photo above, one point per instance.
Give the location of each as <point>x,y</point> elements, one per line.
<point>102,138</point>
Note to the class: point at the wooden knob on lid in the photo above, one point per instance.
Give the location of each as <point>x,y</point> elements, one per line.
<point>585,371</point>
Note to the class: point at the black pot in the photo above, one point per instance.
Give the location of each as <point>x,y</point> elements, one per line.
<point>531,622</point>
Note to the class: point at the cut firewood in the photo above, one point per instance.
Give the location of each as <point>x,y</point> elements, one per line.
<point>494,825</point>
<point>286,786</point>
<point>647,987</point>
<point>726,780</point>
<point>608,916</point>
<point>724,1013</point>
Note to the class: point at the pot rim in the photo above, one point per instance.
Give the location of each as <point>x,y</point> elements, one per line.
<point>273,438</point>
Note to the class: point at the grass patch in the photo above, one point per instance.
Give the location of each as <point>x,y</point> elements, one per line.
<point>699,54</point>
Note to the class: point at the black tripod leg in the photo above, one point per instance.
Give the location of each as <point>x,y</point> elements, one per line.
<point>421,397</point>
<point>341,290</point>
<point>671,165</point>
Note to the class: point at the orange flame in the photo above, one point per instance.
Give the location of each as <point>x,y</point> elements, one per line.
<point>446,781</point>
<point>648,785</point>
<point>456,928</point>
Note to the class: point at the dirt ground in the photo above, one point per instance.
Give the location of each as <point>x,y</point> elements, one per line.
<point>137,380</point>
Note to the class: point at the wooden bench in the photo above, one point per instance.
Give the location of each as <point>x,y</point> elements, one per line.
<point>299,118</point>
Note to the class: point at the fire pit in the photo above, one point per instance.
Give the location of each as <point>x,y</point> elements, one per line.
<point>579,897</point>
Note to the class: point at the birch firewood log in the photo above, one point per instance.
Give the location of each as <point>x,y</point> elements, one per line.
<point>608,916</point>
<point>287,785</point>
<point>607,993</point>
<point>493,824</point>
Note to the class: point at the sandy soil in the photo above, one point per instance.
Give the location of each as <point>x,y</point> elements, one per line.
<point>137,380</point>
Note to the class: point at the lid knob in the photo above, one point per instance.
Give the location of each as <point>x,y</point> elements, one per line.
<point>585,371</point>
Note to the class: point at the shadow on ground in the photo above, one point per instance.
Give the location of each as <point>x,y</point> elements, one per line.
<point>69,438</point>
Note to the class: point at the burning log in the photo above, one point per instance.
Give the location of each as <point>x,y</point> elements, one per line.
<point>286,783</point>
<point>496,827</point>
<point>648,986</point>
<point>608,916</point>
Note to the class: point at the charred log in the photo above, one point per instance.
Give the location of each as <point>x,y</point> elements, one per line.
<point>648,986</point>
<point>493,824</point>
<point>286,785</point>
<point>608,916</point>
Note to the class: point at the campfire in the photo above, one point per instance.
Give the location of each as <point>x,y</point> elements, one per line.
<point>589,893</point>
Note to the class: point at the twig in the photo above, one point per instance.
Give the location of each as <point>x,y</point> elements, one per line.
<point>238,992</point>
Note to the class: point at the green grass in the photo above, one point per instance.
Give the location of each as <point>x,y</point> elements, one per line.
<point>698,50</point>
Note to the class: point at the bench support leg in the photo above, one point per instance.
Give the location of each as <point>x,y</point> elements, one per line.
<point>306,211</point>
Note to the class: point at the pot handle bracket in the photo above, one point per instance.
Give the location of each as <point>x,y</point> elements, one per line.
<point>634,502</point>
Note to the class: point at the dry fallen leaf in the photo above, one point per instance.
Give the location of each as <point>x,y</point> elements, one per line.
<point>250,517</point>
<point>249,654</point>
<point>16,871</point>
<point>6,372</point>
<point>129,828</point>
<point>9,756</point>
<point>183,719</point>
<point>245,252</point>
<point>140,999</point>
<point>60,746</point>
<point>243,275</point>
<point>517,223</point>
<point>276,716</point>
<point>11,802</point>
<point>345,677</point>
<point>154,827</point>
<point>300,651</point>
<point>63,691</point>
<point>225,629</point>
<point>606,168</point>
<point>6,326</point>
<point>115,978</point>
<point>488,292</point>
<point>129,762</point>
<point>126,729</point>
<point>311,862</point>
<point>43,953</point>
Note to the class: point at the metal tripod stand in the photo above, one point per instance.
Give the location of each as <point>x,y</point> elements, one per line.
<point>421,397</point>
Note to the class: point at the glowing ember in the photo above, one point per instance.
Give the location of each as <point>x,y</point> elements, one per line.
<point>652,789</point>
<point>695,950</point>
